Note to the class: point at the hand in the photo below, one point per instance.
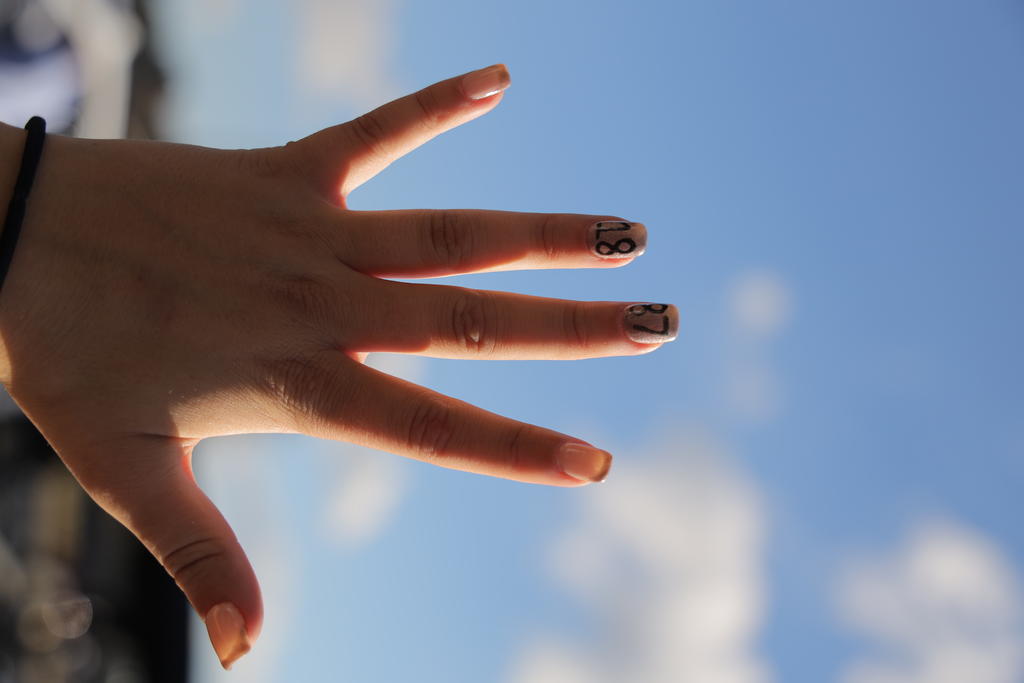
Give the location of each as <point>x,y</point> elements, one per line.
<point>161,294</point>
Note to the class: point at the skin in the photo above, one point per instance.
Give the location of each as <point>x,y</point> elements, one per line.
<point>161,294</point>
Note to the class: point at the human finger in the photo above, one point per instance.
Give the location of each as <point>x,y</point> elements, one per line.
<point>428,243</point>
<point>458,322</point>
<point>331,397</point>
<point>341,158</point>
<point>146,483</point>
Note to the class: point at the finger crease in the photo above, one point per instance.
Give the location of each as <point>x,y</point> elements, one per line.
<point>576,325</point>
<point>548,237</point>
<point>190,555</point>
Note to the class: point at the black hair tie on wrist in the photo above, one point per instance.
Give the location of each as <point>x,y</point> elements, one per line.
<point>36,128</point>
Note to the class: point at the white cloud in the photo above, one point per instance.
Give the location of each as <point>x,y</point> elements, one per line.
<point>365,496</point>
<point>345,47</point>
<point>409,368</point>
<point>945,607</point>
<point>761,303</point>
<point>667,556</point>
<point>754,390</point>
<point>367,486</point>
<point>548,661</point>
<point>760,308</point>
<point>240,473</point>
<point>668,559</point>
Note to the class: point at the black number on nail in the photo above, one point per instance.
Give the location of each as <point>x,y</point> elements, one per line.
<point>601,228</point>
<point>657,309</point>
<point>640,309</point>
<point>615,248</point>
<point>663,330</point>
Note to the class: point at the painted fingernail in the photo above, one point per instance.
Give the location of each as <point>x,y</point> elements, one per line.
<point>651,323</point>
<point>583,462</point>
<point>227,633</point>
<point>617,239</point>
<point>486,82</point>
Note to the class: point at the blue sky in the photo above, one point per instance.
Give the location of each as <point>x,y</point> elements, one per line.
<point>818,481</point>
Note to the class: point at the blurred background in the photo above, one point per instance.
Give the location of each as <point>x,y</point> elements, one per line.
<point>819,481</point>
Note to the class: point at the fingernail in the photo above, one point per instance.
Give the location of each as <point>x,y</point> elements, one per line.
<point>486,82</point>
<point>227,633</point>
<point>617,239</point>
<point>651,323</point>
<point>585,463</point>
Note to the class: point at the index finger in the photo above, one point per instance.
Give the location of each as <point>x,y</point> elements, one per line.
<point>425,243</point>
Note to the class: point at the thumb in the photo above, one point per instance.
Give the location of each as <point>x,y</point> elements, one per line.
<point>341,158</point>
<point>146,483</point>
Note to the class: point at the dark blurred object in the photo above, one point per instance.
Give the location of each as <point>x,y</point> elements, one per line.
<point>38,70</point>
<point>148,82</point>
<point>87,66</point>
<point>81,601</point>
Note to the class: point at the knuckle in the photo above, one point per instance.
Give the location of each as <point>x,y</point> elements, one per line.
<point>192,562</point>
<point>473,321</point>
<point>369,131</point>
<point>430,428</point>
<point>266,163</point>
<point>449,240</point>
<point>309,394</point>
<point>287,381</point>
<point>287,223</point>
<point>293,153</point>
<point>430,109</point>
<point>310,299</point>
<point>516,447</point>
<point>574,324</point>
<point>311,161</point>
<point>546,236</point>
